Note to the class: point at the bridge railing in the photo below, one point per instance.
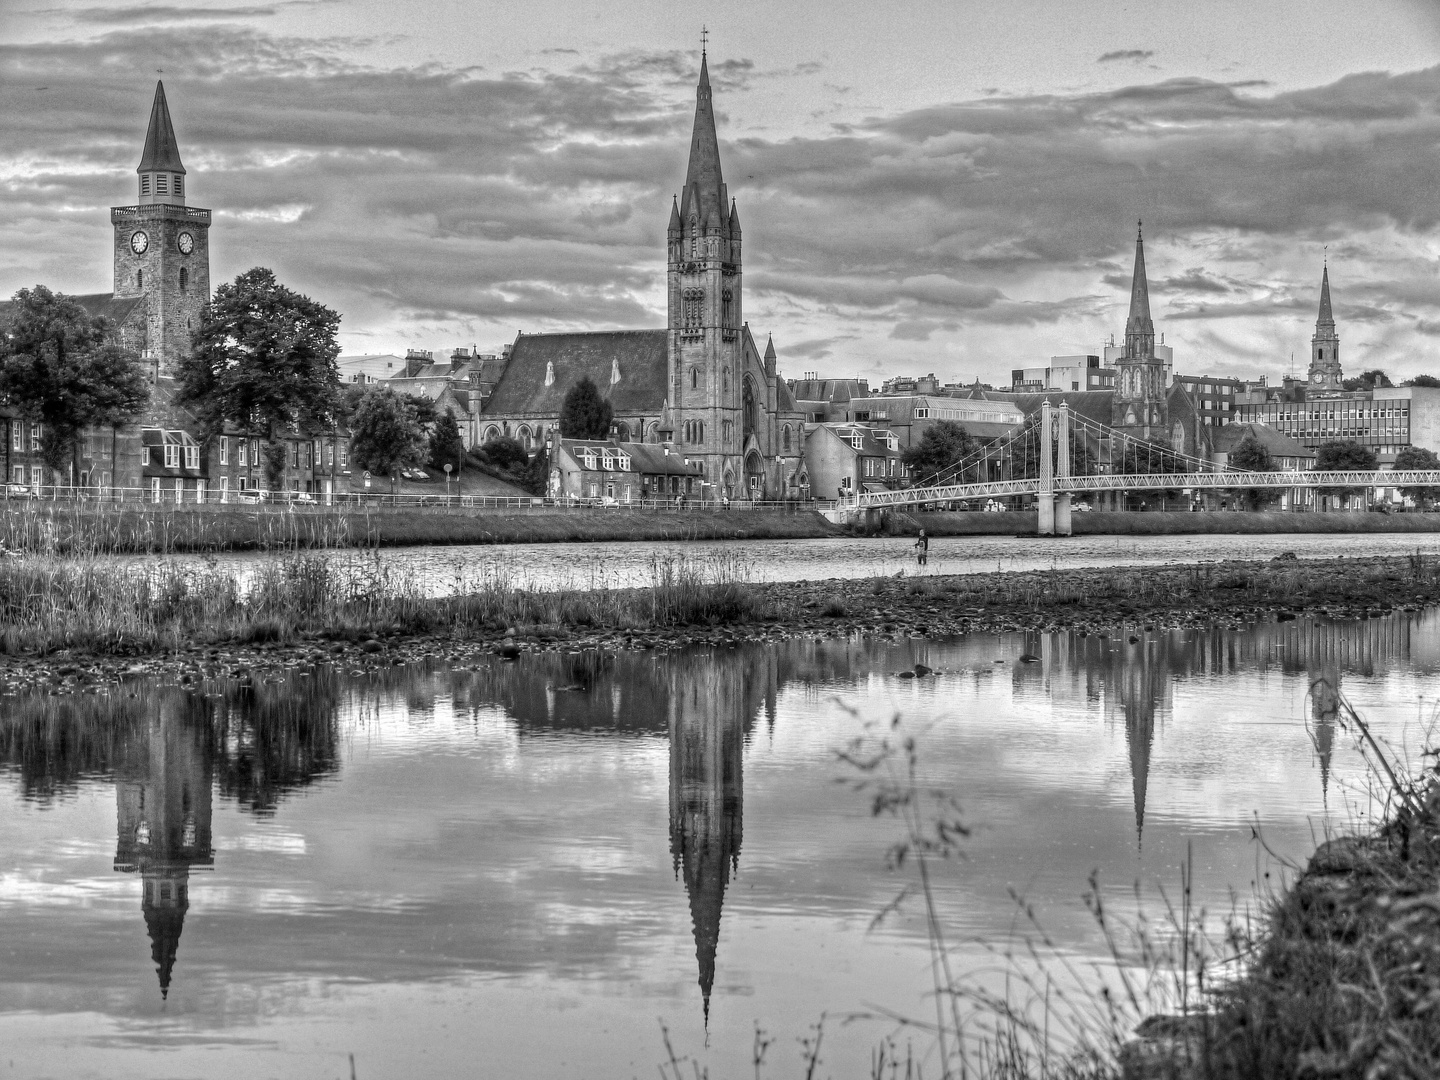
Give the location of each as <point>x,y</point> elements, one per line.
<point>1206,481</point>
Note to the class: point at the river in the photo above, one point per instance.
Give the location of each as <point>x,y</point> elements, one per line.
<point>441,570</point>
<point>524,869</point>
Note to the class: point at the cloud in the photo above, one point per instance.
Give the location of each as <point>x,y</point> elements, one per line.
<point>480,202</point>
<point>159,13</point>
<point>1126,54</point>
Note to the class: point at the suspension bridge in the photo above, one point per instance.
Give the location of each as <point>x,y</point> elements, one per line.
<point>1060,455</point>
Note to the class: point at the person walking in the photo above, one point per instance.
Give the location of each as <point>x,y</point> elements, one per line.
<point>922,549</point>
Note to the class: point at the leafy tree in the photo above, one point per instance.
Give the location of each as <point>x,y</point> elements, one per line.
<point>264,360</point>
<point>1423,380</point>
<point>504,453</point>
<point>942,446</point>
<point>58,368</point>
<point>1416,457</point>
<point>446,445</point>
<point>1368,380</point>
<point>1252,455</point>
<point>585,414</point>
<point>1345,455</point>
<point>384,434</point>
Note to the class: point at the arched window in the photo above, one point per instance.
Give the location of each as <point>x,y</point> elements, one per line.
<point>694,378</point>
<point>750,412</point>
<point>524,436</point>
<point>785,437</point>
<point>725,298</point>
<point>1320,355</point>
<point>725,380</point>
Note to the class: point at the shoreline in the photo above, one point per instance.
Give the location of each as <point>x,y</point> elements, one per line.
<point>377,631</point>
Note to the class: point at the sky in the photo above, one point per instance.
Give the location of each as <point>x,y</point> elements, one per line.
<point>925,186</point>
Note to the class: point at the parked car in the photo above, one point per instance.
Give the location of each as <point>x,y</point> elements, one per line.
<point>253,495</point>
<point>1082,508</point>
<point>17,491</point>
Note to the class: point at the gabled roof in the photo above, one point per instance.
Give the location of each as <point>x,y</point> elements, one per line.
<point>873,440</point>
<point>1226,438</point>
<point>641,356</point>
<point>162,154</point>
<point>1094,405</point>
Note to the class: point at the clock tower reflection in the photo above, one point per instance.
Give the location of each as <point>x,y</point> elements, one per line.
<point>163,805</point>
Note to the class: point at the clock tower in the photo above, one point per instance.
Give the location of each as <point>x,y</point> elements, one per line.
<point>1325,374</point>
<point>162,247</point>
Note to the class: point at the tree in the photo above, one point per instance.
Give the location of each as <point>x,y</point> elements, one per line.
<point>1252,455</point>
<point>384,434</point>
<point>585,414</point>
<point>58,368</point>
<point>446,445</point>
<point>1423,380</point>
<point>1345,455</point>
<point>1368,380</point>
<point>263,359</point>
<point>1416,457</point>
<point>943,445</point>
<point>504,453</point>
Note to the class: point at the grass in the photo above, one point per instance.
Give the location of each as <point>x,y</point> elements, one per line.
<point>92,604</point>
<point>79,528</point>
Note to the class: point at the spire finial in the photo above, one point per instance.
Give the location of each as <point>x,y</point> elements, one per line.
<point>704,40</point>
<point>1139,229</point>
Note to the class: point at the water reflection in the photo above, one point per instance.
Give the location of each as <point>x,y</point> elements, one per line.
<point>535,823</point>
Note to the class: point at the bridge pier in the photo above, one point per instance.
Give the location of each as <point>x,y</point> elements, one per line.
<point>1062,515</point>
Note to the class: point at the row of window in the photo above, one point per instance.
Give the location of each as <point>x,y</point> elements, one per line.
<point>321,453</point>
<point>171,457</point>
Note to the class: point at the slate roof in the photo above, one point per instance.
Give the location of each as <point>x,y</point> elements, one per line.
<point>1226,438</point>
<point>645,458</point>
<point>1093,405</point>
<point>115,308</point>
<point>642,356</point>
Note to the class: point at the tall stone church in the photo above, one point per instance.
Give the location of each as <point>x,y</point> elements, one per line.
<point>701,383</point>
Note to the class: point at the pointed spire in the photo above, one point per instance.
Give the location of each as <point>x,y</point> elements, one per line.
<point>162,154</point>
<point>164,921</point>
<point>1139,329</point>
<point>770,348</point>
<point>703,180</point>
<point>674,214</point>
<point>734,221</point>
<point>1326,321</point>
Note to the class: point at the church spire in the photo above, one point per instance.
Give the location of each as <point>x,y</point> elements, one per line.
<point>161,171</point>
<point>704,184</point>
<point>1139,329</point>
<point>1326,321</point>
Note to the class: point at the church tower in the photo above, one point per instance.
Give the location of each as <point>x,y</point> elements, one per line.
<point>1325,345</point>
<point>162,246</point>
<point>705,315</point>
<point>1140,408</point>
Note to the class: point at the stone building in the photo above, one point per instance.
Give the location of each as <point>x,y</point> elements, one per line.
<point>701,382</point>
<point>622,473</point>
<point>848,459</point>
<point>1139,406</point>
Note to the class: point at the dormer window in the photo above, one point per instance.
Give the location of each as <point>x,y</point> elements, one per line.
<point>589,458</point>
<point>622,462</point>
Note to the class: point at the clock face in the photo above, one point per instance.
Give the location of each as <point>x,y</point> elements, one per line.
<point>1317,377</point>
<point>139,242</point>
<point>185,242</point>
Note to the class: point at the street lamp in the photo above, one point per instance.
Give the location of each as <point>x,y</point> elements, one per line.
<point>448,467</point>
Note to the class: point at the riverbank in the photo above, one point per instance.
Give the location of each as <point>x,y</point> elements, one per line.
<point>86,620</point>
<point>166,529</point>
<point>1160,523</point>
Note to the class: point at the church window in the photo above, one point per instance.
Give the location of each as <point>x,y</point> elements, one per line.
<point>725,298</point>
<point>692,300</point>
<point>694,378</point>
<point>139,279</point>
<point>145,184</point>
<point>179,184</point>
<point>725,380</point>
<point>160,185</point>
<point>184,277</point>
<point>785,437</point>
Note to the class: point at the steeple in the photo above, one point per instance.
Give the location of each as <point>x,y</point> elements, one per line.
<point>1139,329</point>
<point>1325,372</point>
<point>705,196</point>
<point>161,171</point>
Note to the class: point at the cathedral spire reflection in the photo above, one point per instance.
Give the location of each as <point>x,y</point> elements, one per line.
<point>1324,711</point>
<point>163,806</point>
<point>710,707</point>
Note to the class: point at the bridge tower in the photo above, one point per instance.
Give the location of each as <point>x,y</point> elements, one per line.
<point>1139,408</point>
<point>1054,508</point>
